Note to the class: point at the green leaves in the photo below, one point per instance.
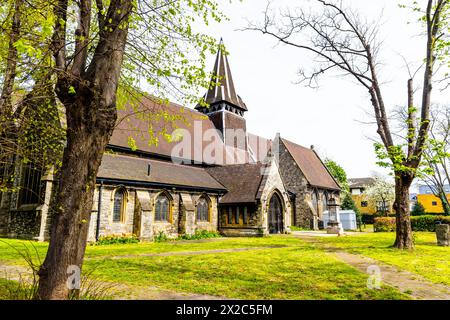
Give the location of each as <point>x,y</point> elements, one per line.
<point>132,143</point>
<point>71,90</point>
<point>337,172</point>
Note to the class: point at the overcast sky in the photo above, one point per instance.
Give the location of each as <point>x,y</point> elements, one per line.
<point>331,117</point>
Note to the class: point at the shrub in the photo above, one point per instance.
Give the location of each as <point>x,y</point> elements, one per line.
<point>161,237</point>
<point>384,224</point>
<point>418,209</point>
<point>200,234</point>
<point>117,239</point>
<point>418,223</point>
<point>428,222</point>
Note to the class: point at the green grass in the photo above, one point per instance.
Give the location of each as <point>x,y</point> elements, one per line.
<point>5,286</point>
<point>367,228</point>
<point>294,228</point>
<point>15,290</point>
<point>294,270</point>
<point>427,259</point>
<point>9,248</point>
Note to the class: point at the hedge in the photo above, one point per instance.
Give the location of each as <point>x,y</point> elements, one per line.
<point>384,224</point>
<point>418,223</point>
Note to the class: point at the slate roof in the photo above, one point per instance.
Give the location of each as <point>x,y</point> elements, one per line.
<point>224,89</point>
<point>138,121</point>
<point>258,147</point>
<point>135,122</point>
<point>360,182</point>
<point>130,168</point>
<point>311,165</point>
<point>241,181</point>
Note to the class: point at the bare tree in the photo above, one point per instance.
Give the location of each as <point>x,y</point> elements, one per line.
<point>437,155</point>
<point>344,42</point>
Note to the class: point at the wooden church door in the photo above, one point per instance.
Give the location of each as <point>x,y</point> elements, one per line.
<point>275,215</point>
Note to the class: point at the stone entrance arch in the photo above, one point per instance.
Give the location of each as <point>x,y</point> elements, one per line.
<point>275,214</point>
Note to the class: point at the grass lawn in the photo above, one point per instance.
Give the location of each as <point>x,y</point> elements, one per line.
<point>11,249</point>
<point>427,259</point>
<point>4,288</point>
<point>295,270</point>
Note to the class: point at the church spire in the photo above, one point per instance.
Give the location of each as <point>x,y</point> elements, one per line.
<point>223,89</point>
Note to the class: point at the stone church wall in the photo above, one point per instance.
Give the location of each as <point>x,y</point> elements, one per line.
<point>139,216</point>
<point>296,182</point>
<point>274,184</point>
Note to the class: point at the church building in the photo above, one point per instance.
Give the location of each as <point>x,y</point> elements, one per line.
<point>209,174</point>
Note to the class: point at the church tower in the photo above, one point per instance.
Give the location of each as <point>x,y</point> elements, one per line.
<point>226,108</point>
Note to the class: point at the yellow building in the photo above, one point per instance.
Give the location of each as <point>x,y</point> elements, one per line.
<point>431,203</point>
<point>357,187</point>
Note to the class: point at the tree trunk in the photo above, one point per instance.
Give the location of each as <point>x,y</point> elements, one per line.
<point>73,204</point>
<point>403,238</point>
<point>445,202</point>
<point>9,77</point>
<point>89,97</point>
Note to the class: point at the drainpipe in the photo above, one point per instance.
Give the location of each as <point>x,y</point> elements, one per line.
<point>97,231</point>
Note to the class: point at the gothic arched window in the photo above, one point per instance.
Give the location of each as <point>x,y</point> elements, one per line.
<point>162,208</point>
<point>325,201</point>
<point>202,209</point>
<point>119,206</point>
<point>30,187</point>
<point>314,199</point>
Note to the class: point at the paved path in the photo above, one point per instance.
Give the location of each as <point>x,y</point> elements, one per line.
<point>407,282</point>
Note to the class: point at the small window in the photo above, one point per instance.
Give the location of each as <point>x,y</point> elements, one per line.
<point>364,204</point>
<point>119,205</point>
<point>230,215</point>
<point>162,208</point>
<point>434,203</point>
<point>202,210</point>
<point>244,216</point>
<point>237,215</point>
<point>315,202</point>
<point>325,201</point>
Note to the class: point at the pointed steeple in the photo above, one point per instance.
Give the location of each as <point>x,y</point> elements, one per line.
<point>223,89</point>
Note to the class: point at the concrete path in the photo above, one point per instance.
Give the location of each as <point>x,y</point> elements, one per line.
<point>407,282</point>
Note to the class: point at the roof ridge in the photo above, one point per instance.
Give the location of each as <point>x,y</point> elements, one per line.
<point>296,144</point>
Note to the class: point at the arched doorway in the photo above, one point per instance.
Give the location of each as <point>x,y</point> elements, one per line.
<point>275,214</point>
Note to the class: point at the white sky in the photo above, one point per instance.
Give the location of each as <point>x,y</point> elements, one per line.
<point>329,117</point>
